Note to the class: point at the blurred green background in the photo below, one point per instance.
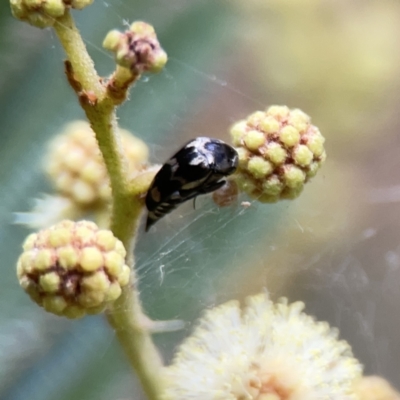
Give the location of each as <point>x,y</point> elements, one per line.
<point>336,247</point>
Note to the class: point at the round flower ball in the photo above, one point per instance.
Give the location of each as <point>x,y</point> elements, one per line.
<point>73,268</point>
<point>263,351</point>
<point>279,151</point>
<point>76,167</point>
<point>44,13</point>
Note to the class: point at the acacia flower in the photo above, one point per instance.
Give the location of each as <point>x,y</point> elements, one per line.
<point>279,151</point>
<point>137,49</point>
<point>76,168</point>
<point>73,268</point>
<point>375,388</point>
<point>265,352</point>
<point>43,13</point>
<point>47,211</point>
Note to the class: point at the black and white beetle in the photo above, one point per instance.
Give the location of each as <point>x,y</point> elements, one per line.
<point>199,167</point>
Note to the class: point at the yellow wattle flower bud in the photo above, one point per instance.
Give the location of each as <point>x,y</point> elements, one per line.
<point>76,167</point>
<point>73,268</point>
<point>137,49</point>
<point>279,151</point>
<point>43,13</point>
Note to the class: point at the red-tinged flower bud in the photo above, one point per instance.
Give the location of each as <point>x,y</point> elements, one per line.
<point>73,268</point>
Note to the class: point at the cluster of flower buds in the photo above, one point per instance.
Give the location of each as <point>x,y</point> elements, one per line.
<point>43,13</point>
<point>137,49</point>
<point>73,268</point>
<point>76,167</point>
<point>279,150</point>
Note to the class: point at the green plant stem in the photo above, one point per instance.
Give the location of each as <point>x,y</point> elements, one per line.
<point>77,54</point>
<point>123,76</point>
<point>103,122</point>
<point>119,83</point>
<point>126,315</point>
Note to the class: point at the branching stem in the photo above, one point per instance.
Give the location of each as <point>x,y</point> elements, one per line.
<point>126,315</point>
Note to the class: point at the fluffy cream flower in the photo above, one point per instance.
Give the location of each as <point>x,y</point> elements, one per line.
<point>375,388</point>
<point>265,352</point>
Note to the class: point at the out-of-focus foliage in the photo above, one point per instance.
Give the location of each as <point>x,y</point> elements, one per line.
<point>332,247</point>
